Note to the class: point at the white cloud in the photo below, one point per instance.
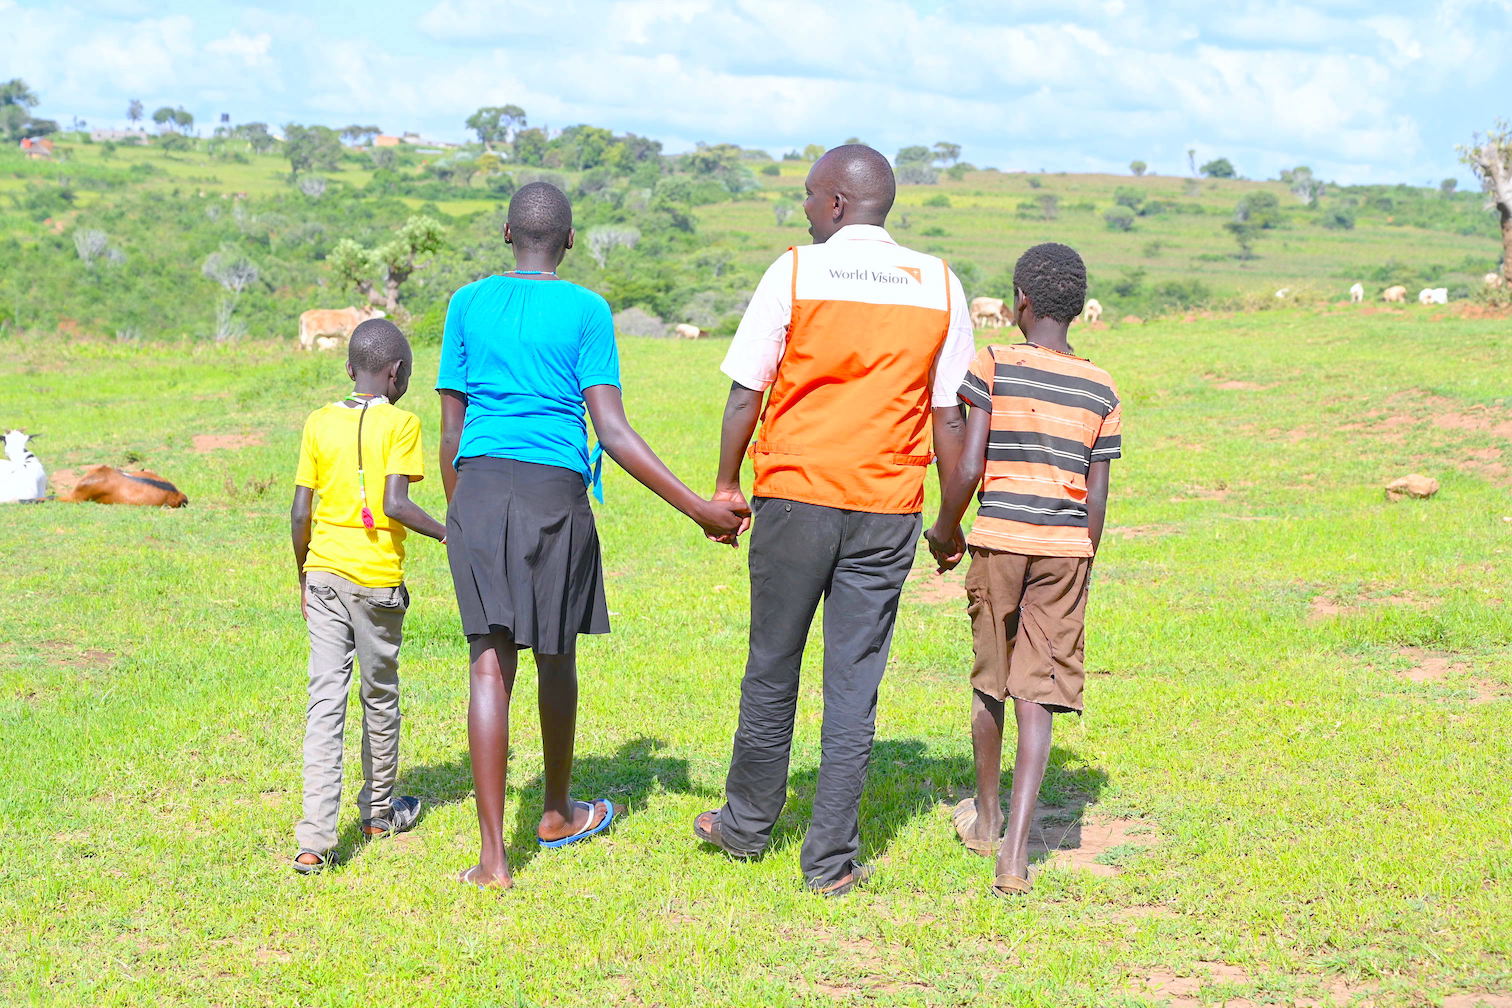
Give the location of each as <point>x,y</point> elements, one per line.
<point>1380,89</point>
<point>251,50</point>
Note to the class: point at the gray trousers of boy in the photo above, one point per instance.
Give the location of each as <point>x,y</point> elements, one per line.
<point>347,620</point>
<point>856,563</point>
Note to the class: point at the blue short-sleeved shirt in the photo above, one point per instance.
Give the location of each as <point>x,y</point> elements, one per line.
<point>523,351</point>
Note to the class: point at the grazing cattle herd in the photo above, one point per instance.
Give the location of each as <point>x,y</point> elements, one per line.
<point>990,313</point>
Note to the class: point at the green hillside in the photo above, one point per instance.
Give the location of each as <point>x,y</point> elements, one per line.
<point>108,239</point>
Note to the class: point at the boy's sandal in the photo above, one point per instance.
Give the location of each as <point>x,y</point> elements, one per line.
<point>706,828</point>
<point>315,868</point>
<point>1009,886</point>
<point>403,814</point>
<point>964,815</point>
<point>593,829</point>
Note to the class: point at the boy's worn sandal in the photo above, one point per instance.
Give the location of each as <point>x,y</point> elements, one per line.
<point>964,815</point>
<point>706,828</point>
<point>1009,886</point>
<point>314,867</point>
<point>593,829</point>
<point>403,814</point>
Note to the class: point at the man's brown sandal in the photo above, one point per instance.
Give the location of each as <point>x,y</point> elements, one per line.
<point>709,834</point>
<point>1009,886</point>
<point>858,874</point>
<point>964,815</point>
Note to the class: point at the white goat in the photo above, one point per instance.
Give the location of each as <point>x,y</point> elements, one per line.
<point>22,477</point>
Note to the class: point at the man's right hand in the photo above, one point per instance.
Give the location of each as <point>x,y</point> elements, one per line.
<point>304,600</point>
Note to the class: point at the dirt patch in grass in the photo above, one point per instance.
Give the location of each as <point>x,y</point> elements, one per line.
<point>1437,666</point>
<point>89,658</point>
<point>1066,838</point>
<point>1479,419</point>
<point>1324,606</point>
<point>64,480</point>
<point>924,585</point>
<point>1233,384</point>
<point>1181,990</point>
<point>1142,531</point>
<point>204,443</point>
<point>1478,1001</point>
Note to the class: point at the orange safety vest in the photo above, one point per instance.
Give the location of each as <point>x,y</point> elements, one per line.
<point>847,423</point>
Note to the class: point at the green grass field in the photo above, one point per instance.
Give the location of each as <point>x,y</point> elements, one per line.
<point>1290,787</point>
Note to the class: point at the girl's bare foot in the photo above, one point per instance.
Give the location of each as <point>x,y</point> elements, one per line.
<point>484,877</point>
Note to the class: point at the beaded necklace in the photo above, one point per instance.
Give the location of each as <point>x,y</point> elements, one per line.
<point>367,399</point>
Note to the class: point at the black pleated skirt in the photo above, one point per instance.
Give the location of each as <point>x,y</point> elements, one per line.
<point>524,554</point>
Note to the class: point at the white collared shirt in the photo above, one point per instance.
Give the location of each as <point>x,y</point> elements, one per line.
<point>759,342</point>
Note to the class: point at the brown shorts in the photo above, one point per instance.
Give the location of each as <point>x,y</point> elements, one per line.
<point>1028,626</point>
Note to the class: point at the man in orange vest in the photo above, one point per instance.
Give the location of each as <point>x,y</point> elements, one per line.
<point>860,346</point>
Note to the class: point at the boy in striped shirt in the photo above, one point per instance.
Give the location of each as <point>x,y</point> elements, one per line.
<point>1043,426</point>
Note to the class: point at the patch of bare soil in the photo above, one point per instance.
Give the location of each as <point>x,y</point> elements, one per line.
<point>1142,531</point>
<point>1236,385</point>
<point>224,442</point>
<point>1479,419</point>
<point>1068,838</point>
<point>1323,607</point>
<point>90,658</point>
<point>1470,310</point>
<point>1478,1001</point>
<point>924,585</point>
<point>1437,666</point>
<point>862,967</point>
<point>1181,991</point>
<point>64,480</point>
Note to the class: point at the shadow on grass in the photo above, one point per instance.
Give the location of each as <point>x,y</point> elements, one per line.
<point>628,778</point>
<point>904,781</point>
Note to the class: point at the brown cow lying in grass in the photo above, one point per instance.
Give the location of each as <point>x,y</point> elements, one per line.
<point>108,485</point>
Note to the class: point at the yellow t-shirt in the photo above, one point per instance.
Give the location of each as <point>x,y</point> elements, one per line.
<point>373,557</point>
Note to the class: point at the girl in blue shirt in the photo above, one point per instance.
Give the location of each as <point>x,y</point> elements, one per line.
<point>524,352</point>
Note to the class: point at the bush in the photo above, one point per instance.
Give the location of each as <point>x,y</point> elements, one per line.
<point>1034,182</point>
<point>939,200</point>
<point>1338,220</point>
<point>1259,210</point>
<point>1219,168</point>
<point>1128,196</point>
<point>771,169</point>
<point>934,231</point>
<point>638,322</point>
<point>1153,249</point>
<point>1119,218</point>
<point>917,173</point>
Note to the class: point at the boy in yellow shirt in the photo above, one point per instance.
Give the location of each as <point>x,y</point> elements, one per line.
<point>351,583</point>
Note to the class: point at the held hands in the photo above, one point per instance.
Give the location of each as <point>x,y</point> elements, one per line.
<point>947,546</point>
<point>735,500</point>
<point>723,519</point>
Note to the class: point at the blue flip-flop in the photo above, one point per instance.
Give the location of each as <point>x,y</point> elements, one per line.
<point>586,832</point>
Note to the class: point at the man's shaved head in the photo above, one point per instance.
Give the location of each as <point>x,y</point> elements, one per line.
<point>851,184</point>
<point>540,216</point>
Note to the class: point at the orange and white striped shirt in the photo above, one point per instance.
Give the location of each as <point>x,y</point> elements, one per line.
<point>1053,415</point>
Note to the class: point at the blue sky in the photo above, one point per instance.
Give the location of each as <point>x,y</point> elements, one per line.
<point>1362,92</point>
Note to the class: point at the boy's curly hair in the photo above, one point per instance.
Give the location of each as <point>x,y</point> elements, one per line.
<point>1054,279</point>
<point>375,344</point>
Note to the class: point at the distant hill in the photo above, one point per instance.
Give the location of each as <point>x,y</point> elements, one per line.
<point>114,239</point>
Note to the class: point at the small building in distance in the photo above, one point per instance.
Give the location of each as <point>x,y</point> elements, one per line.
<point>384,140</point>
<point>37,147</point>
